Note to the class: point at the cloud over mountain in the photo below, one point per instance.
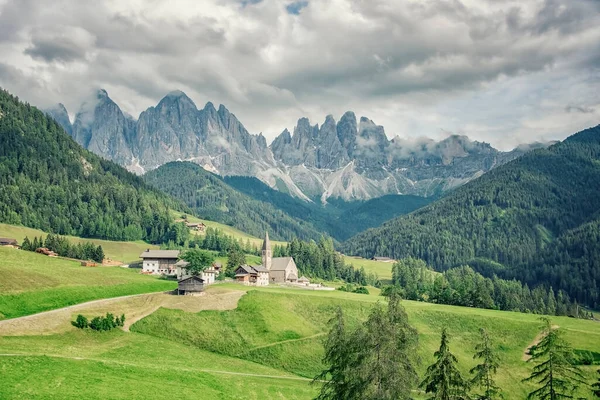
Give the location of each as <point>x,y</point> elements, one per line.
<point>504,72</point>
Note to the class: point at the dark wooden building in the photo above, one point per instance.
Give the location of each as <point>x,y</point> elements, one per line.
<point>8,242</point>
<point>190,286</point>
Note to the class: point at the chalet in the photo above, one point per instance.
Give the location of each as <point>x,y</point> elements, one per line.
<point>200,227</point>
<point>384,259</point>
<point>8,242</point>
<point>159,261</point>
<point>252,276</point>
<point>191,286</point>
<point>281,269</point>
<point>208,275</point>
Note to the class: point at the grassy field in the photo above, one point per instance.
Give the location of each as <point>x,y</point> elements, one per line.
<point>275,333</point>
<point>120,365</point>
<point>283,328</point>
<point>228,230</point>
<point>382,269</point>
<point>32,283</point>
<point>125,252</point>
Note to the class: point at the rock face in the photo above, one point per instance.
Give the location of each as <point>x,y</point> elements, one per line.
<point>348,159</point>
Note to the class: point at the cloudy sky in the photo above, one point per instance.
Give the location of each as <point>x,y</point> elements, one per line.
<point>500,71</point>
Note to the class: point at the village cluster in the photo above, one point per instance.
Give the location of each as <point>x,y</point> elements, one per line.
<point>273,270</point>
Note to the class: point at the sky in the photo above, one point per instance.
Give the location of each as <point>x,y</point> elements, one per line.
<point>500,71</point>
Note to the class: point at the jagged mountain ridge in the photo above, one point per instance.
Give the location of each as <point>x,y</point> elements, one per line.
<point>350,159</point>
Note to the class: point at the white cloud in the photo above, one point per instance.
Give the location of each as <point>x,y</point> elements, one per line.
<point>482,68</point>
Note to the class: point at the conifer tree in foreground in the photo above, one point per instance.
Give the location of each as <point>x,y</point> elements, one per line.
<point>596,386</point>
<point>484,372</point>
<point>374,361</point>
<point>554,369</point>
<point>443,379</point>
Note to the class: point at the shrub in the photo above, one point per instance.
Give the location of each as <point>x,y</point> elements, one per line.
<point>80,322</point>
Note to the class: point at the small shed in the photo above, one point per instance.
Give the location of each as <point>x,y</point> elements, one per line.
<point>193,285</point>
<point>8,242</point>
<point>303,280</point>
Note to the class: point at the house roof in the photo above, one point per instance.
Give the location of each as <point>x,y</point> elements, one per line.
<point>303,279</point>
<point>245,269</point>
<point>160,254</point>
<point>182,263</point>
<point>259,268</point>
<point>8,241</point>
<point>193,277</point>
<point>280,263</point>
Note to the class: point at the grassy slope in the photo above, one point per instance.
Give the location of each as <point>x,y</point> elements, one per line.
<point>282,328</point>
<point>228,230</point>
<point>119,365</point>
<point>33,283</point>
<point>121,251</point>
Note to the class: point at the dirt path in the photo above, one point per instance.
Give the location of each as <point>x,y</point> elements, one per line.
<point>538,339</point>
<point>135,307</point>
<point>210,371</point>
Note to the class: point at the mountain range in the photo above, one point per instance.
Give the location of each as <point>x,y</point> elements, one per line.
<point>351,159</point>
<point>536,219</point>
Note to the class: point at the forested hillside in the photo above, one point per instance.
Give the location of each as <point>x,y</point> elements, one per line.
<point>340,219</point>
<point>47,181</point>
<point>209,197</point>
<point>536,219</point>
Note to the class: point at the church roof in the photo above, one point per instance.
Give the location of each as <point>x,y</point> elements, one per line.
<point>280,263</point>
<point>266,243</point>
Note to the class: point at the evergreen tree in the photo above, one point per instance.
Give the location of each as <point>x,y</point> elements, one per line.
<point>485,371</point>
<point>235,258</point>
<point>443,379</point>
<point>554,369</point>
<point>596,386</point>
<point>98,254</point>
<point>375,361</point>
<point>26,245</point>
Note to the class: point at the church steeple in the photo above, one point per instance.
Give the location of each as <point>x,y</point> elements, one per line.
<point>267,256</point>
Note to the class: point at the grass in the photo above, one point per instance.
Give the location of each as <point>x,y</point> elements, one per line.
<point>125,252</point>
<point>228,230</point>
<point>32,283</point>
<point>382,269</point>
<point>283,329</point>
<point>119,365</point>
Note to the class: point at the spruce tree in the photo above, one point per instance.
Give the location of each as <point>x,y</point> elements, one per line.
<point>485,371</point>
<point>374,361</point>
<point>554,369</point>
<point>596,386</point>
<point>443,379</point>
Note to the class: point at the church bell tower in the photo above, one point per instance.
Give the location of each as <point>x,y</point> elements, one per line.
<point>267,256</point>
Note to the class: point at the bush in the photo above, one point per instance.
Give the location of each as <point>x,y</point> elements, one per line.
<point>105,323</point>
<point>80,322</point>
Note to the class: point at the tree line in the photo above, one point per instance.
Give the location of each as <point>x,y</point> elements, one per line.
<point>412,279</point>
<point>534,219</point>
<point>64,248</point>
<point>378,360</point>
<point>321,260</point>
<point>49,182</point>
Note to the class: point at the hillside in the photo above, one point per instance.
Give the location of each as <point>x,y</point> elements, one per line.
<point>339,218</point>
<point>33,283</point>
<point>535,219</point>
<point>47,181</point>
<point>211,198</point>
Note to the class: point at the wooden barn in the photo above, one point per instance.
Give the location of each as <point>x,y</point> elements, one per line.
<point>8,242</point>
<point>193,285</point>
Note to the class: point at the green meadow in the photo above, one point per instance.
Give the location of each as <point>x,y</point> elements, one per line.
<point>31,283</point>
<point>124,252</point>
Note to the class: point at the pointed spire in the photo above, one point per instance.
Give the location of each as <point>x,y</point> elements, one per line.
<point>266,243</point>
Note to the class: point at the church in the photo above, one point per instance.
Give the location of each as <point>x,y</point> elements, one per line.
<point>280,269</point>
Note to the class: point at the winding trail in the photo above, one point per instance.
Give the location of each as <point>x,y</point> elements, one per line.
<point>538,339</point>
<point>135,307</point>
